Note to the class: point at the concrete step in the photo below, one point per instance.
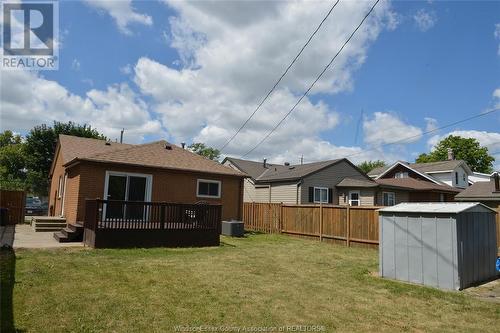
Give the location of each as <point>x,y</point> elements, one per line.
<point>46,229</point>
<point>44,224</point>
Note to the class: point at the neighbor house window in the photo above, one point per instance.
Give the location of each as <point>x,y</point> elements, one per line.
<point>401,175</point>
<point>389,198</point>
<point>60,187</point>
<point>208,188</point>
<point>456,178</point>
<point>354,198</point>
<point>321,195</point>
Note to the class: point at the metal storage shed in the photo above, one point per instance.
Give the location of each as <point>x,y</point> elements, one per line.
<point>444,245</point>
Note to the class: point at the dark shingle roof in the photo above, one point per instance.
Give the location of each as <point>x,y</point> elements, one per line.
<point>480,190</point>
<point>351,182</point>
<point>154,155</point>
<point>436,166</point>
<point>276,172</point>
<point>440,166</point>
<point>415,184</point>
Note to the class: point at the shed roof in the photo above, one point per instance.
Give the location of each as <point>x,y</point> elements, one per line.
<point>433,207</point>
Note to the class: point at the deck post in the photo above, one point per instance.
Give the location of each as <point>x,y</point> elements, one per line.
<point>162,216</point>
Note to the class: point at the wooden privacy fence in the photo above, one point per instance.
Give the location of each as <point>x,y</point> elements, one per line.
<point>14,202</point>
<point>339,224</point>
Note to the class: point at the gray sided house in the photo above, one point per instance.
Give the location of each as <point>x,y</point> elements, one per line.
<point>336,182</point>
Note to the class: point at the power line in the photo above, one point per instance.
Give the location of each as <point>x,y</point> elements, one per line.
<point>428,132</point>
<point>280,78</point>
<point>314,82</point>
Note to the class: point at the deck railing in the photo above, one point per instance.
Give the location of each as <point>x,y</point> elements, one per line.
<point>134,215</point>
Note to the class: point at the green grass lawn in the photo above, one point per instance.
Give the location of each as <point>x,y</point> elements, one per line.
<point>259,280</point>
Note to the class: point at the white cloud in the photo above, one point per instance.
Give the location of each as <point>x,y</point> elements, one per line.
<point>387,128</point>
<point>431,124</point>
<point>496,98</point>
<point>497,35</point>
<point>231,53</point>
<point>126,70</point>
<point>425,19</point>
<point>122,12</point>
<point>75,65</point>
<point>491,140</point>
<point>30,100</point>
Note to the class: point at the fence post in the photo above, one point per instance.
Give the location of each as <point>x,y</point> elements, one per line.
<point>320,222</point>
<point>348,233</point>
<point>280,222</point>
<point>253,215</point>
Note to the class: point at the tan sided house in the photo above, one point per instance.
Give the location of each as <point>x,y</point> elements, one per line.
<point>153,172</point>
<point>335,182</point>
<point>339,182</point>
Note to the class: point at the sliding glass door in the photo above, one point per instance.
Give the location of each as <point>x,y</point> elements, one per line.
<point>127,187</point>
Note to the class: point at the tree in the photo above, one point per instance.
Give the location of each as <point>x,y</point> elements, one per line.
<point>467,149</point>
<point>368,166</point>
<point>40,148</point>
<point>208,152</point>
<point>12,161</point>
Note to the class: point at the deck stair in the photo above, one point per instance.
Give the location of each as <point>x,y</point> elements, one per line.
<point>47,223</point>
<point>71,233</point>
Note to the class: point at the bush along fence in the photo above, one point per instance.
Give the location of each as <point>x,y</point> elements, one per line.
<point>348,225</point>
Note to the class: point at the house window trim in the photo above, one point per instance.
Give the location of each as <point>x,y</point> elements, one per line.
<point>359,197</point>
<point>59,188</point>
<point>149,182</point>
<point>327,195</point>
<point>393,198</point>
<point>212,181</point>
<point>64,193</point>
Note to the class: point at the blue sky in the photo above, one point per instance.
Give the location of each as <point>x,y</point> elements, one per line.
<point>194,72</point>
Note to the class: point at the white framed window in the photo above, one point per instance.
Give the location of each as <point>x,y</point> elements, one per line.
<point>321,195</point>
<point>401,174</point>
<point>441,197</point>
<point>60,188</point>
<point>126,186</point>
<point>389,198</point>
<point>207,188</point>
<point>64,193</point>
<point>354,198</point>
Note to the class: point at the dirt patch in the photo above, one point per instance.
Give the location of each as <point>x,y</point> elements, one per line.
<point>489,291</point>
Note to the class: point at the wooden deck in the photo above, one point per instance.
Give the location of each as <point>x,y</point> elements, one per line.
<point>159,224</point>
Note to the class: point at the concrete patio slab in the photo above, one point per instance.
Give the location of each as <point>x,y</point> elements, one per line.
<point>25,237</point>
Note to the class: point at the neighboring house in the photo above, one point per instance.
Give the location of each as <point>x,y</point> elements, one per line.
<point>487,193</point>
<point>479,177</point>
<point>330,182</point>
<point>159,171</point>
<point>451,172</point>
<point>420,182</point>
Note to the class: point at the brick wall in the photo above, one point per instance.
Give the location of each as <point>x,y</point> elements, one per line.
<point>168,185</point>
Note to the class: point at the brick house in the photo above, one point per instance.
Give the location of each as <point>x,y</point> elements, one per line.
<point>86,168</point>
